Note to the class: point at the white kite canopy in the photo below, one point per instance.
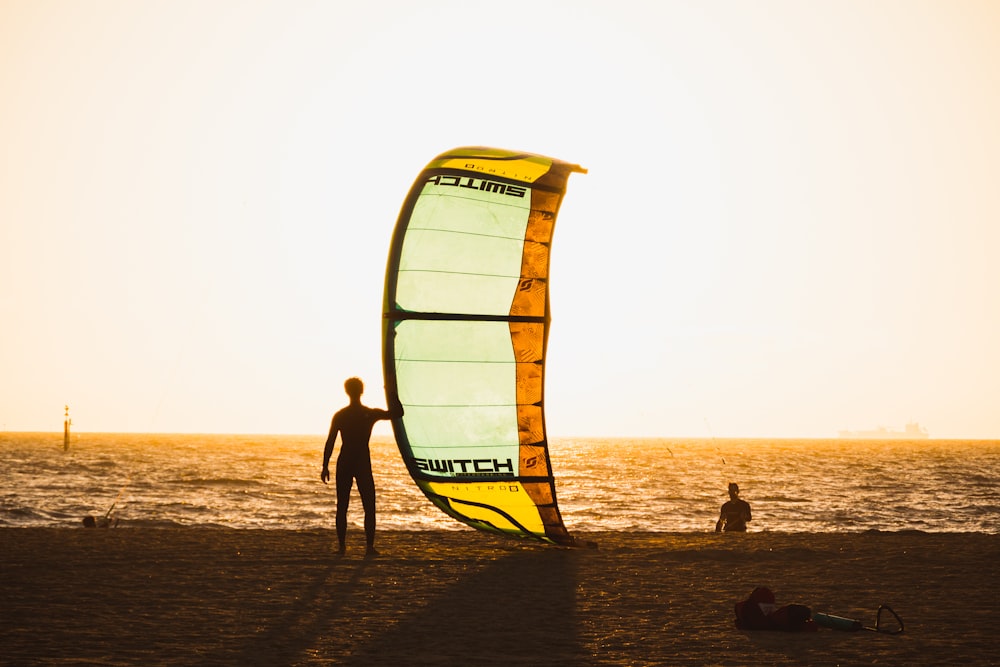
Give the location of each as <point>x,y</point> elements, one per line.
<point>464,337</point>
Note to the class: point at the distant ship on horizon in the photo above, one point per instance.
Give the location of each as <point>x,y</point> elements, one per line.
<point>913,431</point>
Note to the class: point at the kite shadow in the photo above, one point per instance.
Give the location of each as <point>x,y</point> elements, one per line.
<point>519,608</point>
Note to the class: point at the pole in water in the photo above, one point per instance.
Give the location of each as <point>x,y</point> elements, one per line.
<point>66,422</point>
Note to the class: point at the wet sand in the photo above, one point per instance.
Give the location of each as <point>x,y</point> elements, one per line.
<point>209,596</point>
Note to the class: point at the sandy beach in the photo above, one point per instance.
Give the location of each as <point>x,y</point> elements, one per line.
<point>208,596</point>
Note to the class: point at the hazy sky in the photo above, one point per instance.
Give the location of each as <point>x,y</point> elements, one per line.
<point>790,225</point>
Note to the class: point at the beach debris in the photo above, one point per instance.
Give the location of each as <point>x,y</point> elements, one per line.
<point>106,521</point>
<point>90,521</point>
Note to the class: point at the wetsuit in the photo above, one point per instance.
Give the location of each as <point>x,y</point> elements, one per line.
<point>734,516</point>
<point>354,423</point>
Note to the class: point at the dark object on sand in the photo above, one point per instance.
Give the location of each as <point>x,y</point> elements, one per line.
<point>760,612</point>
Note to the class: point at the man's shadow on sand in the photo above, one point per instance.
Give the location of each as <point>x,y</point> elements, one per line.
<point>296,631</point>
<point>517,607</point>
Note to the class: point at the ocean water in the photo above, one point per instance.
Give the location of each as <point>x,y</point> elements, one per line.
<point>603,484</point>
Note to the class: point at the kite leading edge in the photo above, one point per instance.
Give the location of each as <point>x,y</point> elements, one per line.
<point>465,329</point>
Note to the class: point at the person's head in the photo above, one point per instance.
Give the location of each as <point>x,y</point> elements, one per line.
<point>354,388</point>
<point>734,489</point>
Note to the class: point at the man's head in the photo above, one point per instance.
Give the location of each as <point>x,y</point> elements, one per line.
<point>354,387</point>
<point>734,489</point>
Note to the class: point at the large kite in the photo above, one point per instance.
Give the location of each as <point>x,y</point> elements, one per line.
<point>466,319</point>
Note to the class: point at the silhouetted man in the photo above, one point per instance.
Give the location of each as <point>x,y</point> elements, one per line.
<point>354,423</point>
<point>735,512</point>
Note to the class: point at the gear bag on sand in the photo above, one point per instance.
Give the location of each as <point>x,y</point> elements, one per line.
<point>759,612</point>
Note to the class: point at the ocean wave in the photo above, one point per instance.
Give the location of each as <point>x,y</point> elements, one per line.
<point>273,482</point>
<point>236,482</point>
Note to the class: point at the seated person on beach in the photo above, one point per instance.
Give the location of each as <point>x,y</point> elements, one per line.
<point>735,512</point>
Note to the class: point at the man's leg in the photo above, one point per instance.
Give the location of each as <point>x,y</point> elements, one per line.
<point>344,483</point>
<point>366,487</point>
